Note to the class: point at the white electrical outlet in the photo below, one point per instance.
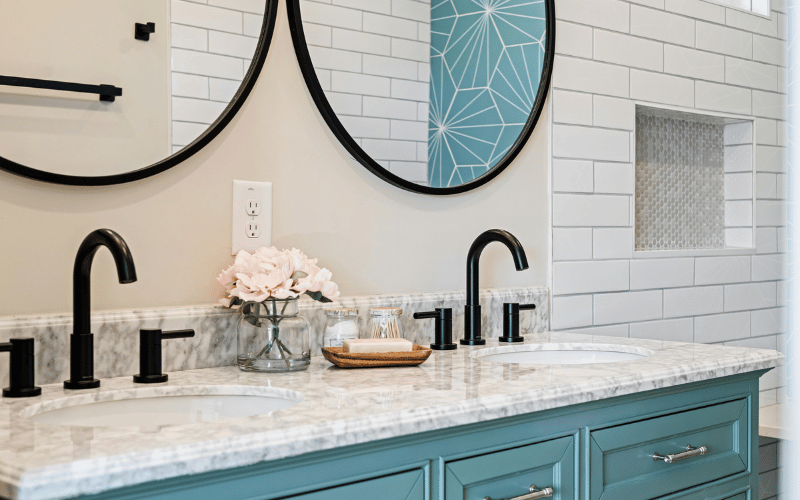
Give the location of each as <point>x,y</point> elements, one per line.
<point>253,207</point>
<point>252,216</point>
<point>253,230</point>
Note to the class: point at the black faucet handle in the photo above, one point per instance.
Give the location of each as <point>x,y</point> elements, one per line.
<point>21,369</point>
<point>511,321</point>
<point>429,314</point>
<point>515,308</point>
<point>150,354</point>
<point>443,337</point>
<point>177,334</point>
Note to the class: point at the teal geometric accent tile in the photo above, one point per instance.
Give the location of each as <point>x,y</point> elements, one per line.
<point>487,58</point>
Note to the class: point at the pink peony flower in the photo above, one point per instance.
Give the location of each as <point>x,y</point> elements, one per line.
<point>277,274</point>
<point>330,290</point>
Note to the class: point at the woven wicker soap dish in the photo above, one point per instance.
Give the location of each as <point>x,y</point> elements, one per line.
<point>338,357</point>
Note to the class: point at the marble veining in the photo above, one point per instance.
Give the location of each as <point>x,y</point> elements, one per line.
<point>117,341</point>
<point>339,407</point>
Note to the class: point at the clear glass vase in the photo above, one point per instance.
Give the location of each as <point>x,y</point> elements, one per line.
<point>273,337</point>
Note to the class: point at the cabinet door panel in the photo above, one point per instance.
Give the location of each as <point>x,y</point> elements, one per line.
<point>510,473</point>
<point>405,486</point>
<point>621,462</point>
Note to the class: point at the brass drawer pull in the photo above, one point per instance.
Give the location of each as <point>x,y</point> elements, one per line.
<point>690,452</point>
<point>533,495</point>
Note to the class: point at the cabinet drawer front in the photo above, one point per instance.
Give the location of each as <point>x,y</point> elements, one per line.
<point>701,496</point>
<point>511,473</point>
<point>404,486</point>
<point>621,457</point>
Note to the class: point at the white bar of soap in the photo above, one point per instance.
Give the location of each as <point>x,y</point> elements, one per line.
<point>377,345</point>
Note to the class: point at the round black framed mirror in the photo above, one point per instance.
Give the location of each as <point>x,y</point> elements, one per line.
<point>97,96</point>
<point>432,97</point>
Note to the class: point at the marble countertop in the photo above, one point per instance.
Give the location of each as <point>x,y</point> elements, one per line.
<point>339,407</point>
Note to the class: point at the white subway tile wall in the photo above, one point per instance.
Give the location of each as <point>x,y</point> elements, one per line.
<point>378,54</point>
<point>212,45</point>
<point>739,190</point>
<point>697,55</point>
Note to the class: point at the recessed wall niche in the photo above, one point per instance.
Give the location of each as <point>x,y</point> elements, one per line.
<point>694,183</point>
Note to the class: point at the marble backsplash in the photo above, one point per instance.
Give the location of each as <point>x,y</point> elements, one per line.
<point>117,341</point>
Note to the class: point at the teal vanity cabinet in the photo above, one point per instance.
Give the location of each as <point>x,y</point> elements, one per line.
<point>599,450</point>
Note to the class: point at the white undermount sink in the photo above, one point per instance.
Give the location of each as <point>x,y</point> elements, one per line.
<point>562,354</point>
<point>166,406</point>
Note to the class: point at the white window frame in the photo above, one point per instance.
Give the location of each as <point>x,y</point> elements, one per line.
<point>731,4</point>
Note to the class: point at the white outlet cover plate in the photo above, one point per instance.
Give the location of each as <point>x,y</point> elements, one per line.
<point>243,192</point>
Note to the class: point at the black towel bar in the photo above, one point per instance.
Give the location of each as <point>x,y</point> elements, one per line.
<point>107,92</point>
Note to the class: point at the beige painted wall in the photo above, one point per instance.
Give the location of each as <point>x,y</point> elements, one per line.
<point>374,237</point>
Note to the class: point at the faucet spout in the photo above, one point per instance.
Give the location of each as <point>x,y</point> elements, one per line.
<point>81,340</point>
<point>472,318</point>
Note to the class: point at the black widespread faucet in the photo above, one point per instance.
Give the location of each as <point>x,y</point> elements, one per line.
<point>472,312</point>
<point>81,342</point>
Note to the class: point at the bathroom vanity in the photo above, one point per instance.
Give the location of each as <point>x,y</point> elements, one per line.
<point>461,426</point>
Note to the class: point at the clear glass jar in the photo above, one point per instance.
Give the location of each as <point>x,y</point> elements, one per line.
<point>385,323</point>
<point>340,324</point>
<point>273,337</point>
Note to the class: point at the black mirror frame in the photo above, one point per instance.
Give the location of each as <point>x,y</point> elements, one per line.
<point>318,94</point>
<point>265,38</point>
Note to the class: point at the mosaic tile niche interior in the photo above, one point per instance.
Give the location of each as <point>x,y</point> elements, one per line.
<point>692,178</point>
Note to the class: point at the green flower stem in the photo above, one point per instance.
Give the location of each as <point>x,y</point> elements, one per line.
<point>275,341</point>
